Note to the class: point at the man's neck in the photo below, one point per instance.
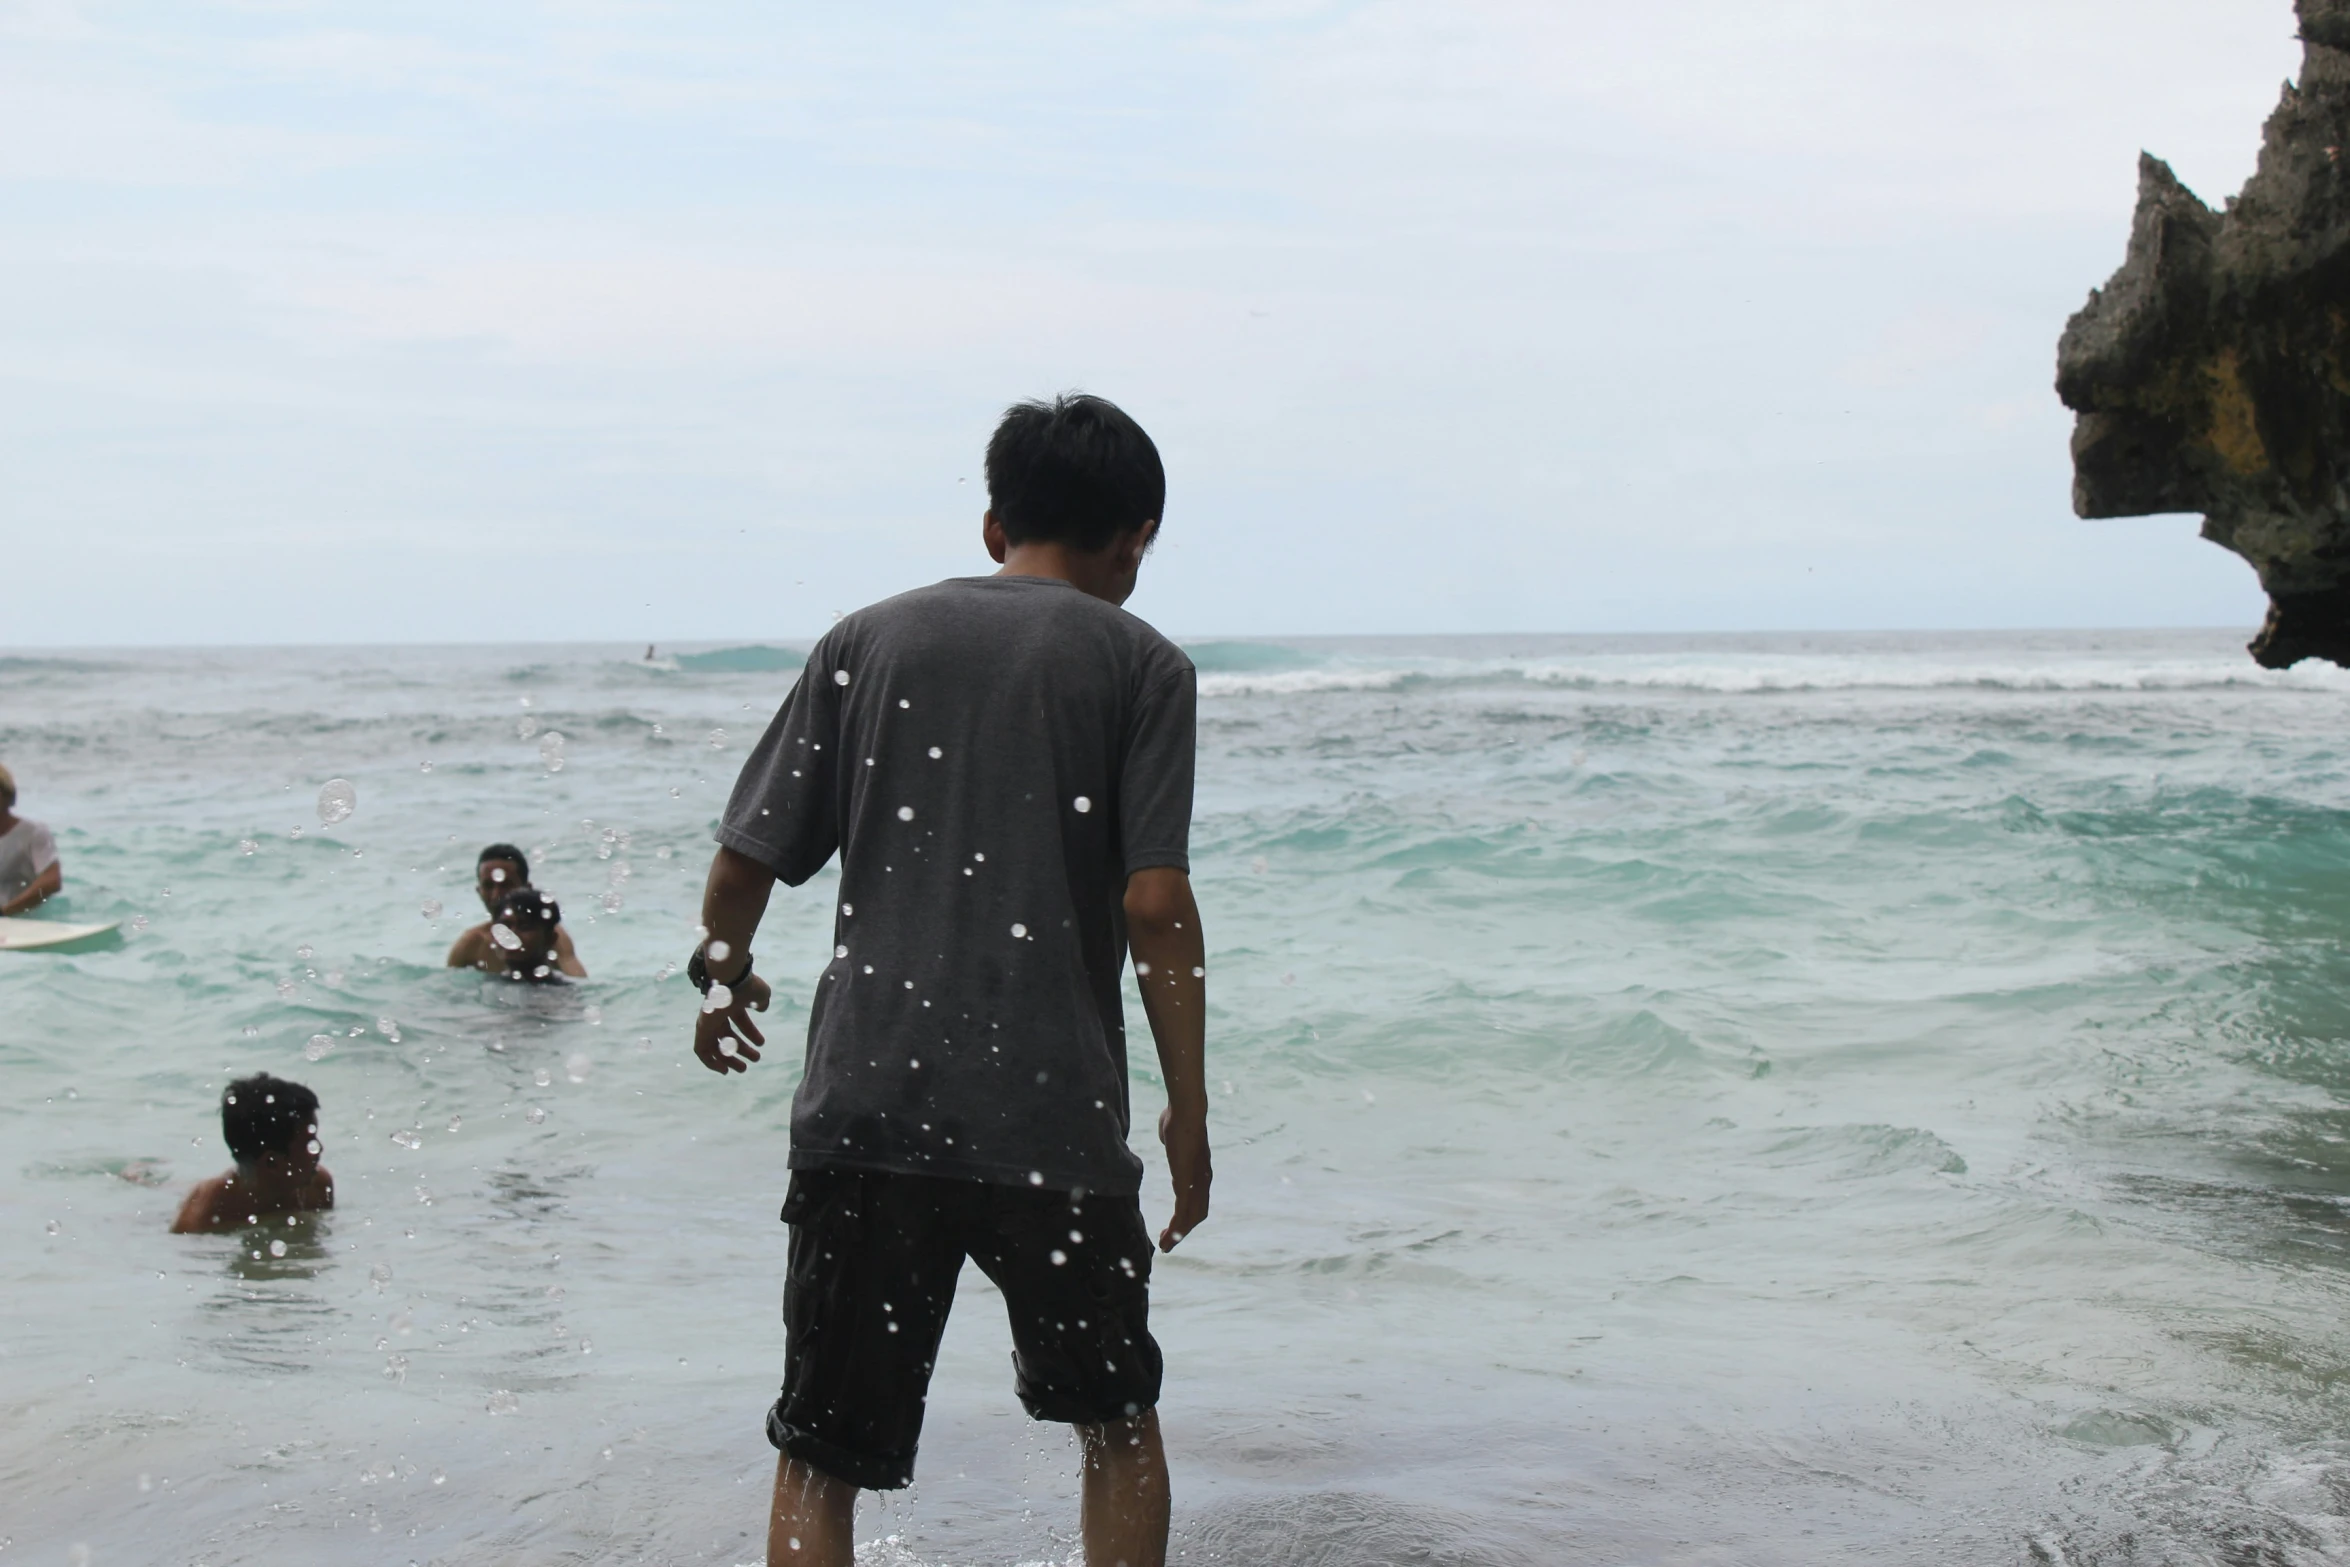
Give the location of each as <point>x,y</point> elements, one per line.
<point>1090,572</point>
<point>272,1180</point>
<point>7,821</point>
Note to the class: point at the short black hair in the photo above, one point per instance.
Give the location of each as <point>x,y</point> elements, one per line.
<point>1077,471</point>
<point>502,851</point>
<point>529,908</point>
<point>261,1115</point>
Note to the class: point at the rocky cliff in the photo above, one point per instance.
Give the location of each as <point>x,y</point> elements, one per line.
<point>2212,372</point>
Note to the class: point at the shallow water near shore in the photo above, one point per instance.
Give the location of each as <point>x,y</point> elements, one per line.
<point>1708,1100</point>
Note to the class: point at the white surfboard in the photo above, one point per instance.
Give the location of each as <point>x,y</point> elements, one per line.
<point>23,935</point>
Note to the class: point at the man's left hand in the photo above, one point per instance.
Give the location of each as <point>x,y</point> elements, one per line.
<point>725,1038</point>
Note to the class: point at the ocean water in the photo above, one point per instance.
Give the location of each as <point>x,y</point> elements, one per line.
<point>1852,1099</point>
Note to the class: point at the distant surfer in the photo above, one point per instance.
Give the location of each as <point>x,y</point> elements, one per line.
<point>272,1130</point>
<point>29,872</point>
<point>500,871</point>
<point>648,652</point>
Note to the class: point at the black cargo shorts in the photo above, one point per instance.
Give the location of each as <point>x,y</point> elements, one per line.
<point>874,1258</point>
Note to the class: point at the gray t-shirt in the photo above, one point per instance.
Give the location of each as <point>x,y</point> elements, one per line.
<point>992,756</point>
<point>26,850</point>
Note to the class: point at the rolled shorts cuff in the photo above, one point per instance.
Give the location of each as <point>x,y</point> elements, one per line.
<point>861,1470</point>
<point>1064,1409</point>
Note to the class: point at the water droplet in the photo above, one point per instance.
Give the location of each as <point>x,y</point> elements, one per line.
<point>542,1077</point>
<point>840,952</point>
<point>502,1403</point>
<point>551,751</point>
<point>304,953</point>
<point>1019,932</point>
<point>1141,969</point>
<point>981,858</point>
<point>1082,804</point>
<point>431,908</point>
<point>1059,1257</point>
<point>905,813</point>
<point>1036,1177</point>
<point>440,1477</point>
<point>848,910</point>
<point>407,1139</point>
<point>247,846</point>
<point>318,1047</point>
<point>424,766</point>
<point>534,1115</point>
<point>525,727</point>
<point>1257,866</point>
<point>840,677</point>
<point>337,799</point>
<point>594,1015</point>
<point>719,952</point>
<point>252,1031</point>
<point>936,753</point>
<point>380,1275</point>
<point>277,1248</point>
<point>718,1000</point>
<point>726,1045</point>
<point>1198,973</point>
<point>53,1227</point>
<point>138,923</point>
<point>576,1066</point>
<point>505,937</point>
<point>717,739</point>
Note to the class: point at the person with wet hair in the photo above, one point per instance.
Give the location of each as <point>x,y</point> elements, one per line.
<point>1003,764</point>
<point>498,872</point>
<point>29,872</point>
<point>272,1130</point>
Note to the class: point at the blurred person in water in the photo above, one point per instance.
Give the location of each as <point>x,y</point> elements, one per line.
<point>29,872</point>
<point>1004,764</point>
<point>272,1131</point>
<point>498,871</point>
<point>523,937</point>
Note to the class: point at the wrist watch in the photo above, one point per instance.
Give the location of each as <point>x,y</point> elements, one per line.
<point>698,970</point>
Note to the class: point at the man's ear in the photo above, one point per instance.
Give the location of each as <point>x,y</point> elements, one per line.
<point>1138,543</point>
<point>991,533</point>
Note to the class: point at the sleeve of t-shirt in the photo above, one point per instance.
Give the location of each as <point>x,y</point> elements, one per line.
<point>784,811</point>
<point>43,848</point>
<point>1154,785</point>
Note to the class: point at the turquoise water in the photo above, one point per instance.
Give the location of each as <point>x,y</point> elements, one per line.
<point>1768,1100</point>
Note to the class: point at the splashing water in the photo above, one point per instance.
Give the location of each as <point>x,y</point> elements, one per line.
<point>337,799</point>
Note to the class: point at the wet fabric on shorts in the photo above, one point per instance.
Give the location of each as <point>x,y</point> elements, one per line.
<point>874,1258</point>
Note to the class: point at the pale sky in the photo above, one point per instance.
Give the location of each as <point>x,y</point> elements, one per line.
<point>689,321</point>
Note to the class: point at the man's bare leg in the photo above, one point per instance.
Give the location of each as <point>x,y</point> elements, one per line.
<point>1125,1507</point>
<point>813,1520</point>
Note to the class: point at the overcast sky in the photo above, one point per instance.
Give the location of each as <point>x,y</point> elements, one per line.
<point>668,321</point>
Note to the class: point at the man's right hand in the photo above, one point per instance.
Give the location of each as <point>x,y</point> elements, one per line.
<point>725,1038</point>
<point>1186,1141</point>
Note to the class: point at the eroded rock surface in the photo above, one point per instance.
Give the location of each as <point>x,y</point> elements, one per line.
<point>2212,372</point>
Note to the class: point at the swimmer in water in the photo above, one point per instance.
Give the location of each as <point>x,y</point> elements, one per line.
<point>272,1129</point>
<point>523,933</point>
<point>499,870</point>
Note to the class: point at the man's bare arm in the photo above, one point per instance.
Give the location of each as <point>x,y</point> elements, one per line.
<point>1170,968</point>
<point>733,901</point>
<point>45,886</point>
<point>567,956</point>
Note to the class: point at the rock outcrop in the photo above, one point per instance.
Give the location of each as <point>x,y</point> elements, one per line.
<point>2212,372</point>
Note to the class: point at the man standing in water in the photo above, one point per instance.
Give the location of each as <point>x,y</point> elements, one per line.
<point>1005,766</point>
